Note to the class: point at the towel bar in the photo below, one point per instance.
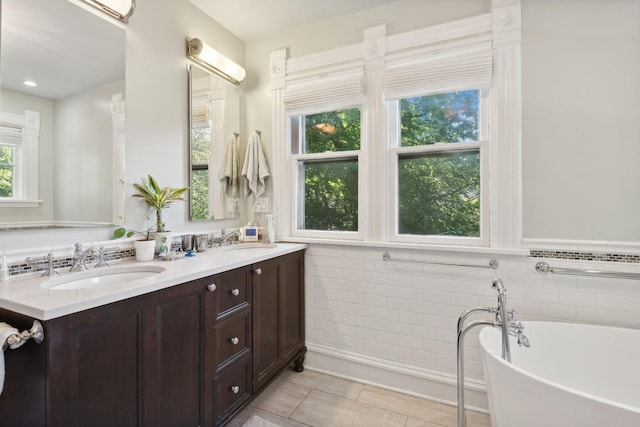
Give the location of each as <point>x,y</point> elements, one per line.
<point>492,263</point>
<point>17,340</point>
<point>543,267</point>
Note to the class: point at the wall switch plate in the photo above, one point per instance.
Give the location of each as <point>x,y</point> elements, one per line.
<point>262,204</point>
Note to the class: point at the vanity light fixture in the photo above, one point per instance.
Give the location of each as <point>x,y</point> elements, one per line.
<point>214,61</point>
<point>30,83</point>
<point>119,9</point>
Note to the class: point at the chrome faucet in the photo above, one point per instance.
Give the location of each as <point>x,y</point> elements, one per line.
<point>80,257</point>
<point>505,320</point>
<point>101,261</point>
<point>223,240</point>
<point>502,318</point>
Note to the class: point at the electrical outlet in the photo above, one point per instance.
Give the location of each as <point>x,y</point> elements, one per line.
<point>262,204</point>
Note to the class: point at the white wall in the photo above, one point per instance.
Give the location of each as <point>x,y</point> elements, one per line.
<point>581,104</point>
<point>84,180</point>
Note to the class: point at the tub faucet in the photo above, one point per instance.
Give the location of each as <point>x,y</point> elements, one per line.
<point>516,328</point>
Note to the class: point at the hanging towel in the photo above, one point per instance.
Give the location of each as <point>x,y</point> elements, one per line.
<point>228,174</point>
<point>5,332</point>
<point>255,168</point>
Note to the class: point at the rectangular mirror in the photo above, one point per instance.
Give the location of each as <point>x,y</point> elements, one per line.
<point>77,60</point>
<point>214,162</point>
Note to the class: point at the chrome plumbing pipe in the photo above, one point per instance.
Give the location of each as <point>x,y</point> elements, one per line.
<point>503,320</point>
<point>462,330</point>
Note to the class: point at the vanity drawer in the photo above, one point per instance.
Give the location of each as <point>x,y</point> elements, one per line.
<point>231,389</point>
<point>232,336</point>
<point>231,291</point>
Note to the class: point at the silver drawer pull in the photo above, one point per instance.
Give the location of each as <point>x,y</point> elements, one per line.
<point>235,389</point>
<point>234,340</point>
<point>212,287</point>
<point>258,271</point>
<point>235,292</point>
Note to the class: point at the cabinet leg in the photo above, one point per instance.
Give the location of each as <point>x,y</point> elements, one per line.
<point>299,361</point>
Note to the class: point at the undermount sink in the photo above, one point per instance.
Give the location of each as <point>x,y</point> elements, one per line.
<point>240,246</point>
<point>104,276</point>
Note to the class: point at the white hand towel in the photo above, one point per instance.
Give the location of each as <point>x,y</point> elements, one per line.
<point>6,331</point>
<point>228,174</point>
<point>255,168</point>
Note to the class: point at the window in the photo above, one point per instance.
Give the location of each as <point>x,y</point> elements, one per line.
<point>19,135</point>
<point>7,170</point>
<point>436,148</point>
<point>200,156</point>
<point>326,147</point>
<point>439,107</point>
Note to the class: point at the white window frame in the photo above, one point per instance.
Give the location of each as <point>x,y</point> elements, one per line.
<point>26,159</point>
<point>501,154</point>
<point>395,152</point>
<point>297,184</point>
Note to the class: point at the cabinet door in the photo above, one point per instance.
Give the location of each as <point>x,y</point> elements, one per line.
<point>94,367</point>
<point>278,315</point>
<point>173,347</point>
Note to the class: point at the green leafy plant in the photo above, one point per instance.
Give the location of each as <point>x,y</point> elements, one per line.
<point>123,232</point>
<point>155,197</point>
<point>158,198</point>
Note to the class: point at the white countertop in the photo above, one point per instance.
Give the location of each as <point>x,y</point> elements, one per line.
<point>27,296</point>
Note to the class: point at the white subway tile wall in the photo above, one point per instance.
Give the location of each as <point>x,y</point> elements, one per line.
<point>406,313</point>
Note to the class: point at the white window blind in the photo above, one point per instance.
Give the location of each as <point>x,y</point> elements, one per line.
<point>440,72</point>
<point>323,94</point>
<point>10,136</point>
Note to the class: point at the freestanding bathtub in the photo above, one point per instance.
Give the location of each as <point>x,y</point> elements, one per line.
<point>573,375</point>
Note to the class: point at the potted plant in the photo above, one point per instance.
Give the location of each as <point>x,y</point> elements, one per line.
<point>159,198</point>
<point>145,248</point>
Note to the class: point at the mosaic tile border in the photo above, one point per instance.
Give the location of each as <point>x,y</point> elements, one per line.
<point>16,269</point>
<point>585,256</point>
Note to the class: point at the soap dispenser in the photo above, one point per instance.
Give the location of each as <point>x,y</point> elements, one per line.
<point>270,232</point>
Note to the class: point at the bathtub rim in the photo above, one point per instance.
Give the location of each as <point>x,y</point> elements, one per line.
<point>485,351</point>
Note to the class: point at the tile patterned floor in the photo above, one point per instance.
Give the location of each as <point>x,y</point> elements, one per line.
<point>318,400</point>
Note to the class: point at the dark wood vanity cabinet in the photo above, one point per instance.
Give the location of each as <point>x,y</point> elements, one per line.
<point>132,363</point>
<point>278,317</point>
<point>189,355</point>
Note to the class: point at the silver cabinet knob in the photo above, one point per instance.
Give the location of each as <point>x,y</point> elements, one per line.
<point>258,271</point>
<point>235,389</point>
<point>234,340</point>
<point>212,287</point>
<point>235,292</point>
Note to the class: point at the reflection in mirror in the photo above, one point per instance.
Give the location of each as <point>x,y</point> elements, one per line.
<point>214,117</point>
<point>77,61</point>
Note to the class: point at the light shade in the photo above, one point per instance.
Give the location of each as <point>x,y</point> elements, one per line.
<point>213,60</point>
<point>119,9</point>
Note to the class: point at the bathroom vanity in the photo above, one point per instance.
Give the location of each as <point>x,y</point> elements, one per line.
<point>184,352</point>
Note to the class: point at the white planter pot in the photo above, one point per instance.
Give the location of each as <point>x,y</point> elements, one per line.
<point>145,249</point>
<point>163,242</point>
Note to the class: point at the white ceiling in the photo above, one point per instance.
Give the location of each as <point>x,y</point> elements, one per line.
<point>252,19</point>
<point>40,42</point>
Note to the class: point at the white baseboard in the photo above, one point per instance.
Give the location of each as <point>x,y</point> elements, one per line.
<point>394,376</point>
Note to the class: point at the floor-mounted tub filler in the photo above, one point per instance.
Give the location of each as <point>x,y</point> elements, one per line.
<point>573,375</point>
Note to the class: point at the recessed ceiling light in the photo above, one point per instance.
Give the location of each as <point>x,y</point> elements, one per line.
<point>30,83</point>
